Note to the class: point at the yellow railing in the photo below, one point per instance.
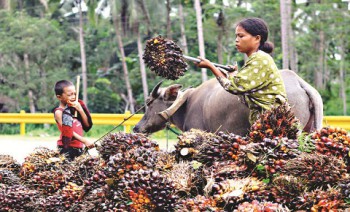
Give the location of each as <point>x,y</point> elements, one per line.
<point>24,118</point>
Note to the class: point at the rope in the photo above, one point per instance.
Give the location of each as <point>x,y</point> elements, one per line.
<point>125,119</point>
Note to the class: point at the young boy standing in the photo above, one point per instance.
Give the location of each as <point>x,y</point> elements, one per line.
<point>71,141</point>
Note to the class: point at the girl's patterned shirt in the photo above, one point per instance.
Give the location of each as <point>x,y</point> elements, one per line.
<point>259,83</point>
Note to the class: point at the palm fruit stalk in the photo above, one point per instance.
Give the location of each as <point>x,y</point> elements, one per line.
<point>229,193</point>
<point>285,189</point>
<point>319,200</point>
<point>183,177</point>
<point>278,122</point>
<point>7,162</point>
<point>121,142</point>
<point>164,57</point>
<point>222,170</point>
<point>198,203</point>
<point>269,156</point>
<point>257,206</point>
<point>17,198</point>
<point>188,142</point>
<point>316,169</point>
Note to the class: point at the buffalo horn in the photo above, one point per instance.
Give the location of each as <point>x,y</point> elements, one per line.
<point>154,92</point>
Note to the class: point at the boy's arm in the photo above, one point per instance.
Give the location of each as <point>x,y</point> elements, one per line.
<point>86,142</point>
<point>81,111</point>
<point>58,118</point>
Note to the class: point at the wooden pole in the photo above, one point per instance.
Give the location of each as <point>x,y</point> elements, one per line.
<point>77,93</point>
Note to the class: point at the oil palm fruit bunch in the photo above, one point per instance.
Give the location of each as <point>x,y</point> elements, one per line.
<point>257,206</point>
<point>83,167</point>
<point>7,162</point>
<point>17,198</point>
<point>63,200</point>
<point>286,188</point>
<point>278,122</point>
<point>233,138</point>
<point>7,177</point>
<point>198,204</point>
<point>318,170</point>
<point>215,148</point>
<point>164,57</point>
<point>344,186</point>
<point>231,192</point>
<point>319,200</point>
<point>140,201</point>
<point>333,141</point>
<point>41,159</point>
<point>270,155</point>
<point>122,142</point>
<point>47,182</point>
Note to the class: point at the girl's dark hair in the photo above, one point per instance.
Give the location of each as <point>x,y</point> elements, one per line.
<point>257,26</point>
<point>60,85</point>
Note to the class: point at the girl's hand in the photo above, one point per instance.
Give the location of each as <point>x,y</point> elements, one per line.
<point>204,63</point>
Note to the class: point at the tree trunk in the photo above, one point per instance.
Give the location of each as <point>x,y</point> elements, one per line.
<point>45,4</point>
<point>182,30</point>
<point>221,25</point>
<point>122,55</point>
<point>5,4</point>
<point>83,55</point>
<point>27,76</point>
<point>198,9</point>
<point>142,65</point>
<point>168,21</point>
<point>318,71</point>
<point>146,14</point>
<point>284,32</point>
<point>342,78</point>
<point>293,60</point>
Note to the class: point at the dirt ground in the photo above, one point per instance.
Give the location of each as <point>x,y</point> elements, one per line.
<point>21,146</point>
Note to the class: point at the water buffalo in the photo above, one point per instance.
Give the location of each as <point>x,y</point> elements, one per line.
<point>209,107</point>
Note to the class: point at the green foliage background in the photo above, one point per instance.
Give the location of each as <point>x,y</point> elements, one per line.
<point>50,39</point>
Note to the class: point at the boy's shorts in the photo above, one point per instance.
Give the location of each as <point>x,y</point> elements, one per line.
<point>71,153</point>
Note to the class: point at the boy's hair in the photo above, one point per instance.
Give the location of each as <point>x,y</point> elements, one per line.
<point>60,85</point>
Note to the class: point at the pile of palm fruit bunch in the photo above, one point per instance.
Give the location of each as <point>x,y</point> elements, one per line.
<point>205,172</point>
<point>164,57</point>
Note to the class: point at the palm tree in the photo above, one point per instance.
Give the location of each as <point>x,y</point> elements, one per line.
<point>198,9</point>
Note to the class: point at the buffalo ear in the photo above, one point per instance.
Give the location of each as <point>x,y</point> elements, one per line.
<point>154,92</point>
<point>171,92</point>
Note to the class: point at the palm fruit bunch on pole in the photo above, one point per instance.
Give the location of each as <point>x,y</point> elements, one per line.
<point>17,198</point>
<point>316,169</point>
<point>269,156</point>
<point>285,189</point>
<point>257,206</point>
<point>278,122</point>
<point>198,203</point>
<point>164,57</point>
<point>122,142</point>
<point>231,192</point>
<point>319,200</point>
<point>333,141</point>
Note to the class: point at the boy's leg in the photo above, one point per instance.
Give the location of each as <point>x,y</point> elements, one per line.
<point>181,98</point>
